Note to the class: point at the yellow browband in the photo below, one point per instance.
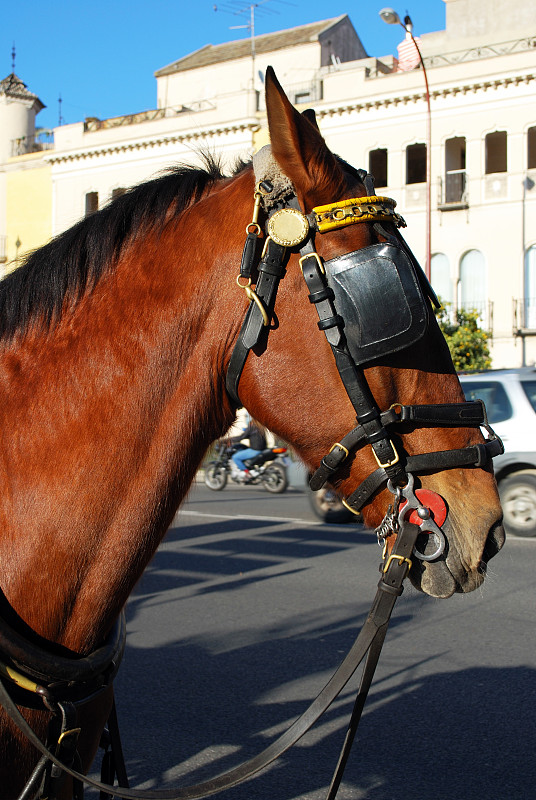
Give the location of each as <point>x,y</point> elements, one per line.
<point>357,209</point>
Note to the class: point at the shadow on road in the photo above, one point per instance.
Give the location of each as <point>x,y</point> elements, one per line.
<point>445,736</point>
<point>201,704</point>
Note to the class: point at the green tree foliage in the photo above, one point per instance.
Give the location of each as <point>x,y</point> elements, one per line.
<point>467,341</point>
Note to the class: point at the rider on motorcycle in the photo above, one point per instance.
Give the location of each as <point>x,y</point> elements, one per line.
<point>257,443</point>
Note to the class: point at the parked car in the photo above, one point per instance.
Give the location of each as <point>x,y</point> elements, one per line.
<point>510,398</point>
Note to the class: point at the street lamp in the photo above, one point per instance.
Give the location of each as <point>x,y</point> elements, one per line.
<point>390,16</point>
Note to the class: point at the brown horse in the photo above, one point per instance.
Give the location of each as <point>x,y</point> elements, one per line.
<point>115,340</point>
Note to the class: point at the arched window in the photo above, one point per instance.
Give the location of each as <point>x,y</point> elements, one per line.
<point>416,163</point>
<point>496,152</point>
<point>92,202</point>
<point>474,284</point>
<point>530,287</point>
<point>378,166</point>
<point>531,148</point>
<point>440,277</point>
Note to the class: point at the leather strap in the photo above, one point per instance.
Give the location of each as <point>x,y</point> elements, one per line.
<point>47,667</point>
<point>477,455</point>
<point>470,414</point>
<point>340,451</point>
<point>271,269</point>
<point>367,413</point>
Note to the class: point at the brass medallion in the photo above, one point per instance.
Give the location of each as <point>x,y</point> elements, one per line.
<point>288,227</point>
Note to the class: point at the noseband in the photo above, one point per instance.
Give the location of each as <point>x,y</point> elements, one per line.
<point>370,303</point>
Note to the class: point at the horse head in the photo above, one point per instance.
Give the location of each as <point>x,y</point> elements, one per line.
<point>291,380</point>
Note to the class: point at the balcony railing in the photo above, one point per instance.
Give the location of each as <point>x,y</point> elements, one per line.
<point>524,316</point>
<point>484,309</point>
<point>453,190</point>
<point>42,140</point>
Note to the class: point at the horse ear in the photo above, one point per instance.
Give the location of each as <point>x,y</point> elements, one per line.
<point>299,148</point>
<point>309,114</point>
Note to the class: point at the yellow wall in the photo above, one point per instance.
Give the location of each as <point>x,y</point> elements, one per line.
<point>28,206</point>
<point>261,137</point>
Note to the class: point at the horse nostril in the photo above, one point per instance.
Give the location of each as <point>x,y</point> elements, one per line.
<point>494,542</point>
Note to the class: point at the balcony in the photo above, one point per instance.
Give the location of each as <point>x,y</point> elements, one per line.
<point>41,140</point>
<point>484,310</point>
<point>453,194</point>
<point>524,316</point>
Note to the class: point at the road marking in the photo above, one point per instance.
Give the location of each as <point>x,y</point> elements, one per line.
<point>251,517</point>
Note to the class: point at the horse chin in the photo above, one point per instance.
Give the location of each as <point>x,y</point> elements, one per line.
<point>437,580</point>
<point>449,575</point>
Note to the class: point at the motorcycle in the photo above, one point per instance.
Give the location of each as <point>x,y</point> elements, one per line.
<point>266,468</point>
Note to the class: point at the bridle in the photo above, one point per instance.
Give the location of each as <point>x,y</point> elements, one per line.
<point>32,676</point>
<point>334,288</point>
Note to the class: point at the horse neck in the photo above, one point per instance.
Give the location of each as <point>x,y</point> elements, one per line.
<point>115,435</point>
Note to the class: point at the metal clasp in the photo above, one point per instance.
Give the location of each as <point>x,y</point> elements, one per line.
<point>251,295</point>
<point>426,526</point>
<point>253,226</point>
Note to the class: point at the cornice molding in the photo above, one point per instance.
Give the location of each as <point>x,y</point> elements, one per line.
<point>146,144</point>
<point>414,97</point>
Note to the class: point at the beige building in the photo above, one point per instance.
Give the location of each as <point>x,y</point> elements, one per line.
<point>25,179</point>
<point>482,77</point>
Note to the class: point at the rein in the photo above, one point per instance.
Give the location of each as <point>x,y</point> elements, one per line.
<point>32,676</point>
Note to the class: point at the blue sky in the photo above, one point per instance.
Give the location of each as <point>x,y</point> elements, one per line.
<point>101,56</point>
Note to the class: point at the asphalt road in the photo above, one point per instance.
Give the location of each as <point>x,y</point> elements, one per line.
<point>245,612</point>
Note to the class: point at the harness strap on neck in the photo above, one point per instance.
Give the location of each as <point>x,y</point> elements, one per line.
<point>42,666</point>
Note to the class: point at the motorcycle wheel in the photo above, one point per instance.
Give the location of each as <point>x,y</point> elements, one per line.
<point>215,476</point>
<point>274,478</point>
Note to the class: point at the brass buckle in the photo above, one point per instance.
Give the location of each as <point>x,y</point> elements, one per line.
<point>345,504</point>
<point>387,463</point>
<point>400,560</point>
<point>346,451</point>
<point>318,261</point>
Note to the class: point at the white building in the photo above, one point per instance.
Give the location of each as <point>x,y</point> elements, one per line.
<point>481,71</point>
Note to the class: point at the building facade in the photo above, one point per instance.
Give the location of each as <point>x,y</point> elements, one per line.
<point>481,142</point>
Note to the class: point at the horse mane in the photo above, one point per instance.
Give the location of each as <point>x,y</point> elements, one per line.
<point>72,263</point>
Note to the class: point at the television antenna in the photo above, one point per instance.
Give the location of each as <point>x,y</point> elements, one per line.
<point>239,8</point>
